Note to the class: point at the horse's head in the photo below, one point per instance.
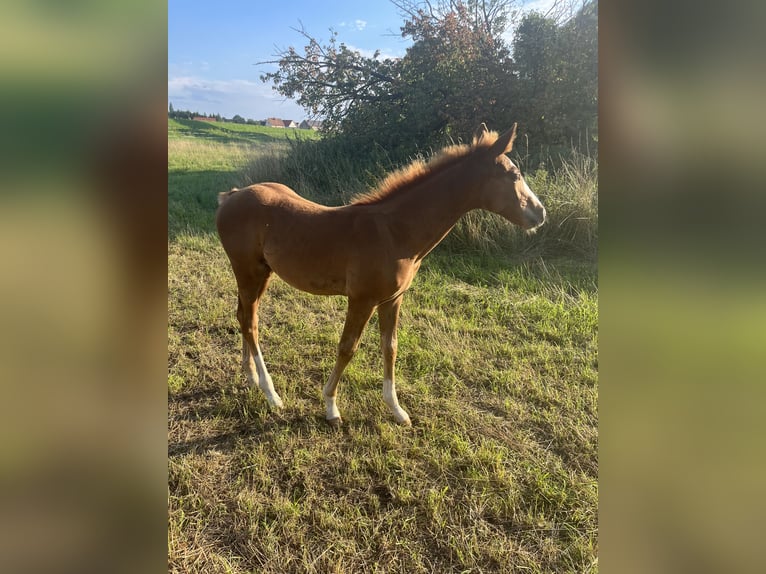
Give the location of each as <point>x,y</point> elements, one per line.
<point>504,190</point>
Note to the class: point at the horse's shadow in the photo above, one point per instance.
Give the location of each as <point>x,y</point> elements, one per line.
<point>219,133</point>
<point>257,425</point>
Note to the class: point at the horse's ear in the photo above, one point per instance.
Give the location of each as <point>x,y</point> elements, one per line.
<point>504,143</point>
<point>480,132</point>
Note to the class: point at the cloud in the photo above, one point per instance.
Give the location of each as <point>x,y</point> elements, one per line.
<point>384,53</point>
<point>188,67</point>
<point>229,97</point>
<point>194,83</point>
<point>358,24</point>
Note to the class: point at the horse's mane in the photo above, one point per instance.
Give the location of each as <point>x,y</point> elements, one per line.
<point>409,176</point>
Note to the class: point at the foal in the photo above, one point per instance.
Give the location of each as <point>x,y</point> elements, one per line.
<point>368,250</point>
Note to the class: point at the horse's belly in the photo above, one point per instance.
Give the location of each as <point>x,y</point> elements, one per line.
<point>309,262</point>
<point>310,278</point>
<point>318,285</point>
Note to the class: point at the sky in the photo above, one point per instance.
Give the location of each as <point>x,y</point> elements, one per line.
<point>214,48</point>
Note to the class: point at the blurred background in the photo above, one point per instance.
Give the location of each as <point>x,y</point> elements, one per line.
<point>83,309</point>
<point>682,277</point>
<point>82,290</point>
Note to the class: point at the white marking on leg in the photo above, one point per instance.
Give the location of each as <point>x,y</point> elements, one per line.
<point>249,366</point>
<point>332,411</point>
<point>265,382</point>
<point>329,393</point>
<point>390,398</point>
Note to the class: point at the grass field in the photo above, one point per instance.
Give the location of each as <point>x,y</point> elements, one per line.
<point>497,367</point>
<point>228,132</point>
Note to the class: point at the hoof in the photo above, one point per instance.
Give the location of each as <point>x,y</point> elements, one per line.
<point>402,418</point>
<point>275,403</point>
<point>335,423</point>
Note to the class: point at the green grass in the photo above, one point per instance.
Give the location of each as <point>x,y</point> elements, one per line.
<point>228,132</point>
<point>497,367</point>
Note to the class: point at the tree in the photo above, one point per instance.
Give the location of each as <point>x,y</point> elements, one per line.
<point>332,80</point>
<point>457,73</point>
<point>557,68</point>
<point>579,44</point>
<point>536,64</point>
<point>491,17</point>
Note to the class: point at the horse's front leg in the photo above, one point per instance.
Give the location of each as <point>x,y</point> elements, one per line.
<point>358,314</point>
<point>388,318</point>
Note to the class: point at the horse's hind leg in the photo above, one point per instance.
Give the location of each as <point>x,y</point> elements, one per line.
<point>252,284</point>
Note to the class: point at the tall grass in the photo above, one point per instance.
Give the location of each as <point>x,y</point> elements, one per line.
<point>325,171</point>
<point>329,173</point>
<point>570,194</point>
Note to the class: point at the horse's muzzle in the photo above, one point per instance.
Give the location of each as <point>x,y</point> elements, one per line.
<point>535,217</point>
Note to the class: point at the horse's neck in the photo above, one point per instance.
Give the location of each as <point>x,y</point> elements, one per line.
<point>425,214</point>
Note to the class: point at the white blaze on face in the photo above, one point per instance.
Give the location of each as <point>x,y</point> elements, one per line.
<point>533,207</point>
<point>532,203</point>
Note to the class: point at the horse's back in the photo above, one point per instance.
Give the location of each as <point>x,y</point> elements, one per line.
<point>250,204</point>
<point>266,193</point>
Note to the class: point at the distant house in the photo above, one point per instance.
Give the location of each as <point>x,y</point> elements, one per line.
<point>274,123</point>
<point>203,119</point>
<point>310,125</point>
<point>290,124</point>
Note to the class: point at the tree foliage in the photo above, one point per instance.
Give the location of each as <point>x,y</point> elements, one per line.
<point>458,72</point>
<point>332,81</point>
<point>557,69</point>
<point>488,17</point>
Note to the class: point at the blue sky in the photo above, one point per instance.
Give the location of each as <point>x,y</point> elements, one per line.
<point>213,48</point>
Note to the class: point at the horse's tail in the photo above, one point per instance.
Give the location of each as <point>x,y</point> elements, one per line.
<point>224,195</point>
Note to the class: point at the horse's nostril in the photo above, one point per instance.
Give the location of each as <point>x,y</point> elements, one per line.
<point>538,217</point>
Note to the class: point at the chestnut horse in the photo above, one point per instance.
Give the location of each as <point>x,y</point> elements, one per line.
<point>368,250</point>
